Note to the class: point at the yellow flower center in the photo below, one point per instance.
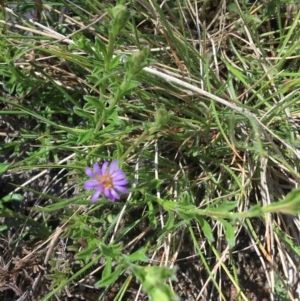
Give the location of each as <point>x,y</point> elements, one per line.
<point>105,181</point>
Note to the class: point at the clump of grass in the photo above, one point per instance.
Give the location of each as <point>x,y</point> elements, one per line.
<point>200,110</point>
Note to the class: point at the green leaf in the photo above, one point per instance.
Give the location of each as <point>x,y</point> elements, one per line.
<point>107,269</point>
<point>106,281</point>
<point>100,47</point>
<point>186,215</point>
<point>120,150</point>
<point>153,280</point>
<point>87,253</point>
<point>82,43</point>
<point>232,8</point>
<point>4,167</point>
<point>60,204</point>
<point>290,205</point>
<point>162,117</point>
<point>139,255</point>
<point>170,222</point>
<point>167,205</point>
<point>111,250</point>
<point>289,242</point>
<point>115,62</point>
<point>93,102</point>
<point>205,228</point>
<point>80,112</point>
<point>13,197</point>
<point>163,293</point>
<point>152,215</point>
<point>126,87</point>
<point>229,232</point>
<point>151,276</point>
<point>37,228</point>
<point>226,206</point>
<point>86,135</point>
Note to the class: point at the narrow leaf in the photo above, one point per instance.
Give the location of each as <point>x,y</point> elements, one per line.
<point>205,228</point>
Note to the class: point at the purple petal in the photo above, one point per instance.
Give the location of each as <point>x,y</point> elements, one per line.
<point>104,168</point>
<point>121,189</point>
<point>97,169</point>
<point>113,166</point>
<point>114,194</point>
<point>107,193</point>
<point>111,198</point>
<point>118,175</point>
<point>89,172</point>
<point>90,184</point>
<point>111,195</point>
<point>96,195</point>
<point>120,182</point>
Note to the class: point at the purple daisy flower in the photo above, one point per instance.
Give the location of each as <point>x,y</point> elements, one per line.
<point>109,181</point>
